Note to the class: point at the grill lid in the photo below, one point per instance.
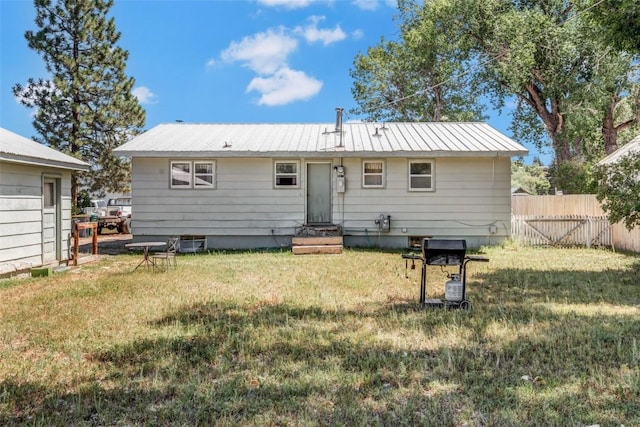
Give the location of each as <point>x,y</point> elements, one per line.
<point>444,244</point>
<point>444,251</point>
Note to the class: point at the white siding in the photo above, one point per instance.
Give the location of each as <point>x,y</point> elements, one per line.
<point>471,200</point>
<point>21,215</point>
<point>471,195</point>
<point>244,202</point>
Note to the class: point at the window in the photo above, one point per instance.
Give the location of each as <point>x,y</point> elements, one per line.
<point>180,174</point>
<point>203,174</point>
<point>192,174</point>
<point>421,175</point>
<point>193,243</point>
<point>49,195</point>
<point>286,174</point>
<point>373,174</point>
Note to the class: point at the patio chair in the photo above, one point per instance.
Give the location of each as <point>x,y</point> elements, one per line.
<point>167,257</point>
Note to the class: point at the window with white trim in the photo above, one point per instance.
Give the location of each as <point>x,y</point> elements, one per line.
<point>286,174</point>
<point>196,174</point>
<point>421,175</point>
<point>372,174</point>
<point>180,174</point>
<point>203,174</point>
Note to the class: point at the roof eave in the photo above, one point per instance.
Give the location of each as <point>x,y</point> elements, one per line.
<point>307,154</point>
<point>33,161</point>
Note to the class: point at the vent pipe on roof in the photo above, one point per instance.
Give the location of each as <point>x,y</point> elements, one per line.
<point>339,111</point>
<point>339,119</point>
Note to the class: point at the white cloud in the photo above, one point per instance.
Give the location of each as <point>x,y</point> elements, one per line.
<point>357,34</point>
<point>264,52</point>
<point>289,4</point>
<point>366,4</point>
<point>312,33</point>
<point>211,63</point>
<point>284,86</point>
<point>267,54</point>
<point>144,95</point>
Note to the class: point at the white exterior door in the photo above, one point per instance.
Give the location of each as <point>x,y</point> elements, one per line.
<point>318,193</point>
<point>50,240</point>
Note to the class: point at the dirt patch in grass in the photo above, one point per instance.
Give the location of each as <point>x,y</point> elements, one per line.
<point>109,243</point>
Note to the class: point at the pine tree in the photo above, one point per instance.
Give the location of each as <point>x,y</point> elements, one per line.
<point>86,107</point>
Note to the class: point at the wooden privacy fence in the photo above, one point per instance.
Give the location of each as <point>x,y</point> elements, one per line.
<point>570,204</point>
<point>569,220</point>
<point>561,230</point>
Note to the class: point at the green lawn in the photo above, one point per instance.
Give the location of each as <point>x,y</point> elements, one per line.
<point>276,339</point>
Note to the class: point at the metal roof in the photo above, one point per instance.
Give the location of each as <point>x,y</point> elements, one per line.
<point>630,147</point>
<point>18,149</point>
<point>321,140</point>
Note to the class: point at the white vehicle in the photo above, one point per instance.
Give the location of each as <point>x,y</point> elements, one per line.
<point>120,206</point>
<point>98,207</point>
<point>111,217</point>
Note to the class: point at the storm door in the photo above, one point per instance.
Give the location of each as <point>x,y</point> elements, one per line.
<point>318,193</point>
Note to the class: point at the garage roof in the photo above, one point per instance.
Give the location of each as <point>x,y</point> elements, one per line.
<point>18,149</point>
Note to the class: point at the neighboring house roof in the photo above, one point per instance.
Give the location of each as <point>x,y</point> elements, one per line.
<point>320,140</point>
<point>18,149</point>
<point>631,147</point>
<point>519,191</point>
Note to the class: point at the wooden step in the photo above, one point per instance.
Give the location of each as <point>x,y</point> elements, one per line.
<point>302,241</point>
<point>316,249</point>
<point>317,245</point>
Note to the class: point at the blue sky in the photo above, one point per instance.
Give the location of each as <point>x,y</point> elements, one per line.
<point>224,61</point>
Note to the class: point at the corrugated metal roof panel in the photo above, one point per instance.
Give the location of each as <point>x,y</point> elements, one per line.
<point>406,139</point>
<point>18,149</point>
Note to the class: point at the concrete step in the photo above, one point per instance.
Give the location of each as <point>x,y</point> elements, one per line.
<point>316,249</point>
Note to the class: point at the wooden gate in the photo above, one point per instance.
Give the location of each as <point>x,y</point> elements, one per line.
<point>565,230</point>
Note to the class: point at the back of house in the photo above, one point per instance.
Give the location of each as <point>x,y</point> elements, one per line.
<point>239,186</point>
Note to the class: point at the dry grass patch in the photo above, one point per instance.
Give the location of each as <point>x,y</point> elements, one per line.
<point>275,339</point>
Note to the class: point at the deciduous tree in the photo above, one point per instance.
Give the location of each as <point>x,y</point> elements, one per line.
<point>421,77</point>
<point>573,92</point>
<point>617,20</point>
<point>531,178</point>
<point>619,189</point>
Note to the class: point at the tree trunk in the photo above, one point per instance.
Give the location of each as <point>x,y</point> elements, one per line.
<point>552,119</point>
<point>609,134</point>
<point>609,129</point>
<point>74,190</point>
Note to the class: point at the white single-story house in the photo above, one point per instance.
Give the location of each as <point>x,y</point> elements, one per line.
<point>35,203</point>
<point>240,186</point>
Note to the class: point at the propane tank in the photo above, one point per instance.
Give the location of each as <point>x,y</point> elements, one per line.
<point>453,288</point>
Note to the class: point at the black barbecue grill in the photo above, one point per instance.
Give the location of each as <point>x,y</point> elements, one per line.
<point>445,253</point>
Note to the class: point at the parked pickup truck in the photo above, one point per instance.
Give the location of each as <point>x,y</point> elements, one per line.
<point>121,207</point>
<point>112,216</point>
